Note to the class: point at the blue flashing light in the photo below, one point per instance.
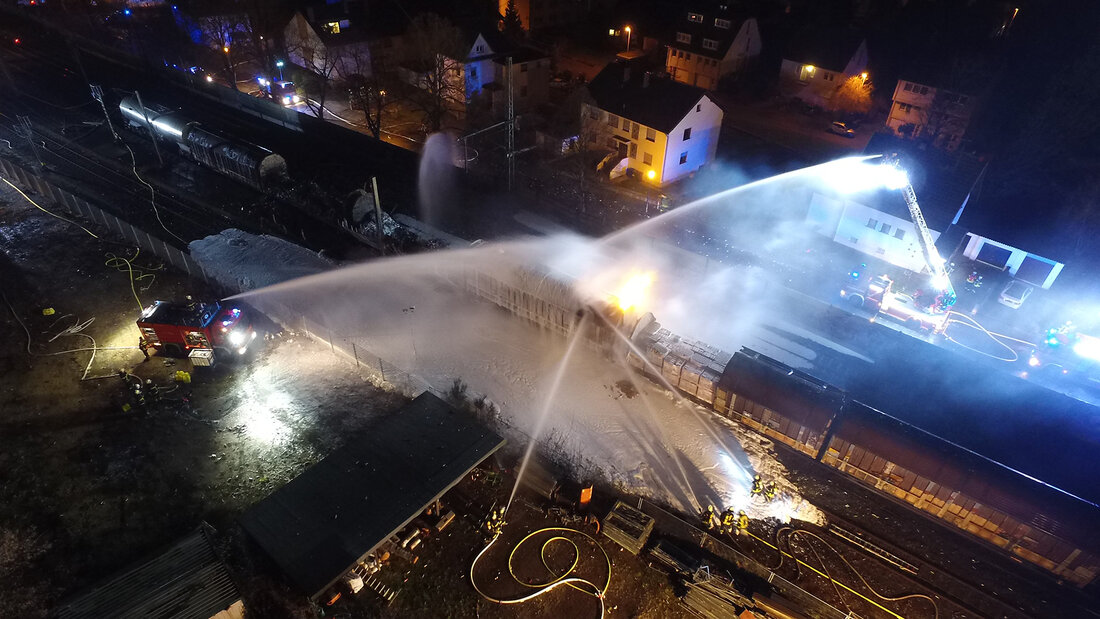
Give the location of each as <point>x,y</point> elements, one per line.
<point>854,274</point>
<point>236,312</point>
<point>126,12</point>
<point>175,8</point>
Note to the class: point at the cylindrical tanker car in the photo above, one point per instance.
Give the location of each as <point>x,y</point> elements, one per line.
<point>246,162</point>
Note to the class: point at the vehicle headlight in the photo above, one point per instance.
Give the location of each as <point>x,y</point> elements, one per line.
<point>1033,361</point>
<point>236,338</point>
<point>297,99</point>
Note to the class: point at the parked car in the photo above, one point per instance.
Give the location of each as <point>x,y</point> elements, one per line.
<point>1014,294</point>
<point>840,128</point>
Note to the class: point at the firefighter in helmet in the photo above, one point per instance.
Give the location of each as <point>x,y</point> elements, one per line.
<point>710,519</point>
<point>742,521</point>
<point>769,491</point>
<point>757,485</point>
<point>728,520</point>
<point>495,523</point>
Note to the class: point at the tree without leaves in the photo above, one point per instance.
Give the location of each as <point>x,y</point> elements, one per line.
<point>434,50</point>
<point>223,32</point>
<point>853,96</point>
<point>320,63</point>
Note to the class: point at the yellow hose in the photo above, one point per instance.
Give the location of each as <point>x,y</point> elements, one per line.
<point>580,584</point>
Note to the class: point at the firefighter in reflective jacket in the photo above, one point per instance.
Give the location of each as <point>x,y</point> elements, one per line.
<point>742,521</point>
<point>757,485</point>
<point>728,518</point>
<point>495,523</point>
<point>769,491</point>
<point>710,519</point>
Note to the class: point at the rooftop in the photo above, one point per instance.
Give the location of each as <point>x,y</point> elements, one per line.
<point>323,522</point>
<point>187,581</point>
<point>623,88</point>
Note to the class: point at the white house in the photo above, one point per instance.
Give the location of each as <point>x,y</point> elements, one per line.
<point>1018,263</point>
<point>922,111</point>
<point>711,43</point>
<point>812,69</point>
<point>664,130</point>
<point>335,42</point>
<point>485,67</point>
<point>879,231</point>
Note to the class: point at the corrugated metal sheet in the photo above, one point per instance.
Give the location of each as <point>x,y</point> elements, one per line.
<point>187,581</point>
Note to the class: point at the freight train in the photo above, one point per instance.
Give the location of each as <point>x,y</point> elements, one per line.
<point>248,163</point>
<point>1023,517</point>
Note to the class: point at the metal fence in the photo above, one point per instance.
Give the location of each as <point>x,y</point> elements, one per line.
<point>121,229</point>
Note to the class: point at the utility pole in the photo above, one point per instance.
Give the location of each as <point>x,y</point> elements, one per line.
<point>97,94</point>
<point>25,121</point>
<point>378,216</point>
<point>511,130</point>
<point>149,126</point>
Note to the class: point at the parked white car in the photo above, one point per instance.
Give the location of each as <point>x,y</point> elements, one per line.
<point>1014,294</point>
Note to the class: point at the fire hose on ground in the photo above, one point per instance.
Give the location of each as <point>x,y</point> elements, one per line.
<point>580,584</point>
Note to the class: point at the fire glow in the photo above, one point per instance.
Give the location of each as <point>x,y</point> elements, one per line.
<point>633,292</point>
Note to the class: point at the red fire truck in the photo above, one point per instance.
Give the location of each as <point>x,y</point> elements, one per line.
<point>196,329</point>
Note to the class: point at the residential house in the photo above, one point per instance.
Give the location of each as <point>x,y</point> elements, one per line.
<point>484,72</point>
<point>814,67</point>
<point>664,129</point>
<point>934,114</point>
<point>344,38</point>
<point>711,43</point>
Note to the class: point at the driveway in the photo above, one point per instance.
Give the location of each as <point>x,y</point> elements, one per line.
<point>792,130</point>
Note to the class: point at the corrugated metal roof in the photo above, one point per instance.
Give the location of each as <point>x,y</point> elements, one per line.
<point>325,520</point>
<point>187,581</point>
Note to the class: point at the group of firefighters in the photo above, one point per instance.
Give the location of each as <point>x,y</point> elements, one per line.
<point>729,522</point>
<point>494,524</point>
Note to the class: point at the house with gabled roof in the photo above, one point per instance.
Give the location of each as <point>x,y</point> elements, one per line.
<point>663,129</point>
<point>711,42</point>
<point>815,66</point>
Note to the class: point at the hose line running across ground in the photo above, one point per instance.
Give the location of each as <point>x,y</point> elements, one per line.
<point>576,582</point>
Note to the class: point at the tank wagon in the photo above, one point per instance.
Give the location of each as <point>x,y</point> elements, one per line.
<point>1021,516</point>
<point>245,162</point>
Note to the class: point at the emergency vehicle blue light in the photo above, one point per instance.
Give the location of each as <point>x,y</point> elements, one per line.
<point>126,12</point>
<point>236,312</point>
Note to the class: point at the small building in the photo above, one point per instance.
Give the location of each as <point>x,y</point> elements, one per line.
<point>664,130</point>
<point>815,66</point>
<point>187,581</point>
<point>936,115</point>
<point>485,71</point>
<point>711,42</point>
<point>337,40</point>
<point>328,519</point>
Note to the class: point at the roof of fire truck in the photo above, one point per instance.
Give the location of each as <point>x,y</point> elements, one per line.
<point>184,314</point>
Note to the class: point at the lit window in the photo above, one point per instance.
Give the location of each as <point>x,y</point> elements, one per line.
<point>647,158</point>
<point>333,27</point>
<point>710,44</point>
<point>683,37</point>
<point>687,134</point>
<point>651,134</point>
<point>683,158</point>
<point>722,23</point>
<point>807,72</point>
<point>695,17</point>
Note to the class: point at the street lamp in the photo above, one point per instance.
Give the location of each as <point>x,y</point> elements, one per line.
<point>627,29</point>
<point>279,64</point>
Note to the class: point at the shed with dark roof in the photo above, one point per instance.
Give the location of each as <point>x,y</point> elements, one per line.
<point>318,526</point>
<point>187,581</point>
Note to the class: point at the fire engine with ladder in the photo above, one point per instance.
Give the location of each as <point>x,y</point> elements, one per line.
<point>877,294</point>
